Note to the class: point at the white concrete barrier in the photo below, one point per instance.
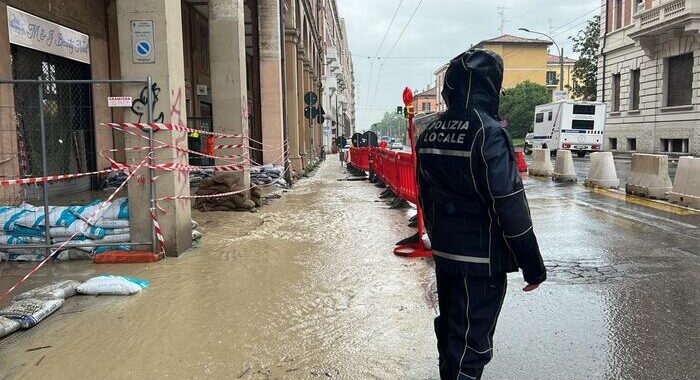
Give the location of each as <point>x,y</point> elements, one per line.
<point>649,176</point>
<point>541,163</point>
<point>602,172</point>
<point>686,187</point>
<point>564,170</point>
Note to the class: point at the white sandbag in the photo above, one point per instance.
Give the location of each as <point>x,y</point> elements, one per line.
<point>117,231</point>
<point>9,215</point>
<point>73,254</point>
<point>21,255</point>
<point>7,326</point>
<point>122,238</point>
<point>62,289</point>
<point>112,285</point>
<point>118,209</point>
<point>11,240</point>
<point>112,223</point>
<point>30,312</point>
<point>89,210</point>
<point>59,217</point>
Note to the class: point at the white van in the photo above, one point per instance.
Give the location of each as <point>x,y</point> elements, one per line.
<point>576,126</point>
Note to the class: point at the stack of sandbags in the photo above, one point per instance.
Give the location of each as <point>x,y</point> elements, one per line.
<point>268,175</point>
<point>222,185</point>
<point>81,225</point>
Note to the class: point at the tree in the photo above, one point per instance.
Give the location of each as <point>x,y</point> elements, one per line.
<point>586,44</point>
<point>518,106</point>
<point>392,124</point>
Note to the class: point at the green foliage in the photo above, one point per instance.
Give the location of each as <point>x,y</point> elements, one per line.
<point>392,125</point>
<point>587,44</point>
<point>518,106</point>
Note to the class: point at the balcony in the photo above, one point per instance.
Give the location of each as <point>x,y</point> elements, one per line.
<point>675,16</point>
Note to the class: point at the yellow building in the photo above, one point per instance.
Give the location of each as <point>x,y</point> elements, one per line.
<point>524,59</point>
<point>553,71</point>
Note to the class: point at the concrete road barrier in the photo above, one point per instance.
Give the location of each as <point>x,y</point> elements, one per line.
<point>564,170</point>
<point>541,163</point>
<point>602,173</point>
<point>649,176</point>
<point>686,187</point>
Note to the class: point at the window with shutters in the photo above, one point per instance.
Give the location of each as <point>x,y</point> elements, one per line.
<point>679,80</point>
<point>634,89</point>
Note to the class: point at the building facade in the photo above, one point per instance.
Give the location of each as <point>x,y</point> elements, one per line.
<point>649,75</point>
<point>554,73</point>
<point>524,59</point>
<point>232,66</point>
<point>425,101</point>
<point>338,80</point>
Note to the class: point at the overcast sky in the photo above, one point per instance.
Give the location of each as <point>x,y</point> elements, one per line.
<point>441,29</point>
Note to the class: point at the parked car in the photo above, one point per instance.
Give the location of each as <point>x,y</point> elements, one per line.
<point>396,145</point>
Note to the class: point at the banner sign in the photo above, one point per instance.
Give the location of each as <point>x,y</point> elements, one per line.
<point>36,33</point>
<point>119,101</point>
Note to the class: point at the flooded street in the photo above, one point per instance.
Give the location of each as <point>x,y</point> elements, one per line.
<point>309,288</point>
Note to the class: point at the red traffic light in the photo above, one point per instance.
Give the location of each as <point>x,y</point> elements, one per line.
<point>407,96</point>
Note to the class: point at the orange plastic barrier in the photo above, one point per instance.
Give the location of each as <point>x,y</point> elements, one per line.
<point>127,257</point>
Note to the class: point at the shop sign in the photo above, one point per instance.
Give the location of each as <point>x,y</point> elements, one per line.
<point>36,33</point>
<point>119,101</point>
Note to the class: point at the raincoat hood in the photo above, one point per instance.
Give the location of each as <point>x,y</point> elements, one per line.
<point>473,80</point>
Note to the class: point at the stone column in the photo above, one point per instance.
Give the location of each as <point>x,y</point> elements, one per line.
<point>303,123</point>
<point>228,78</point>
<point>271,81</point>
<point>291,41</point>
<point>168,77</point>
<point>9,159</point>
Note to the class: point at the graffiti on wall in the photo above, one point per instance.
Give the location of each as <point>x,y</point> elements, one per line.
<point>140,104</point>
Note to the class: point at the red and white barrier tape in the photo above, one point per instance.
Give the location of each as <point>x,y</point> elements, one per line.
<point>36,180</point>
<point>171,127</point>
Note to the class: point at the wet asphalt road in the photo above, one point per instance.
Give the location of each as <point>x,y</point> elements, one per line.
<point>308,288</point>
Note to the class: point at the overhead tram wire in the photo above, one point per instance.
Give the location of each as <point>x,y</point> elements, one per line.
<point>558,29</point>
<point>398,39</point>
<point>381,44</point>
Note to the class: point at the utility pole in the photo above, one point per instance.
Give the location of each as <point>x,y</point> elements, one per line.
<point>501,12</point>
<point>561,55</point>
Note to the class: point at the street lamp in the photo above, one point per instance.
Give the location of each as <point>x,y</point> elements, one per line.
<point>561,56</point>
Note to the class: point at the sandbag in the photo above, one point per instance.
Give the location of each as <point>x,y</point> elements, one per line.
<point>88,211</point>
<point>118,209</point>
<point>7,326</point>
<point>59,216</point>
<point>30,312</point>
<point>62,289</point>
<point>112,285</point>
<point>112,223</point>
<point>9,215</point>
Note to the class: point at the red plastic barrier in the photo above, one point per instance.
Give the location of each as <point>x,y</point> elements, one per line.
<point>359,158</point>
<point>408,189</point>
<point>520,159</point>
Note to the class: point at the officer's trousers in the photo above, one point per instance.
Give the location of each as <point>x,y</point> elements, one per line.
<point>469,309</point>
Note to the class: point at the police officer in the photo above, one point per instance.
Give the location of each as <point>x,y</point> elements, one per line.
<point>476,213</point>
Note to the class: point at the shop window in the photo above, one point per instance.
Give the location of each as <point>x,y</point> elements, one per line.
<point>679,80</point>
<point>613,143</point>
<point>634,89</point>
<point>674,145</point>
<point>631,144</point>
<point>616,92</point>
